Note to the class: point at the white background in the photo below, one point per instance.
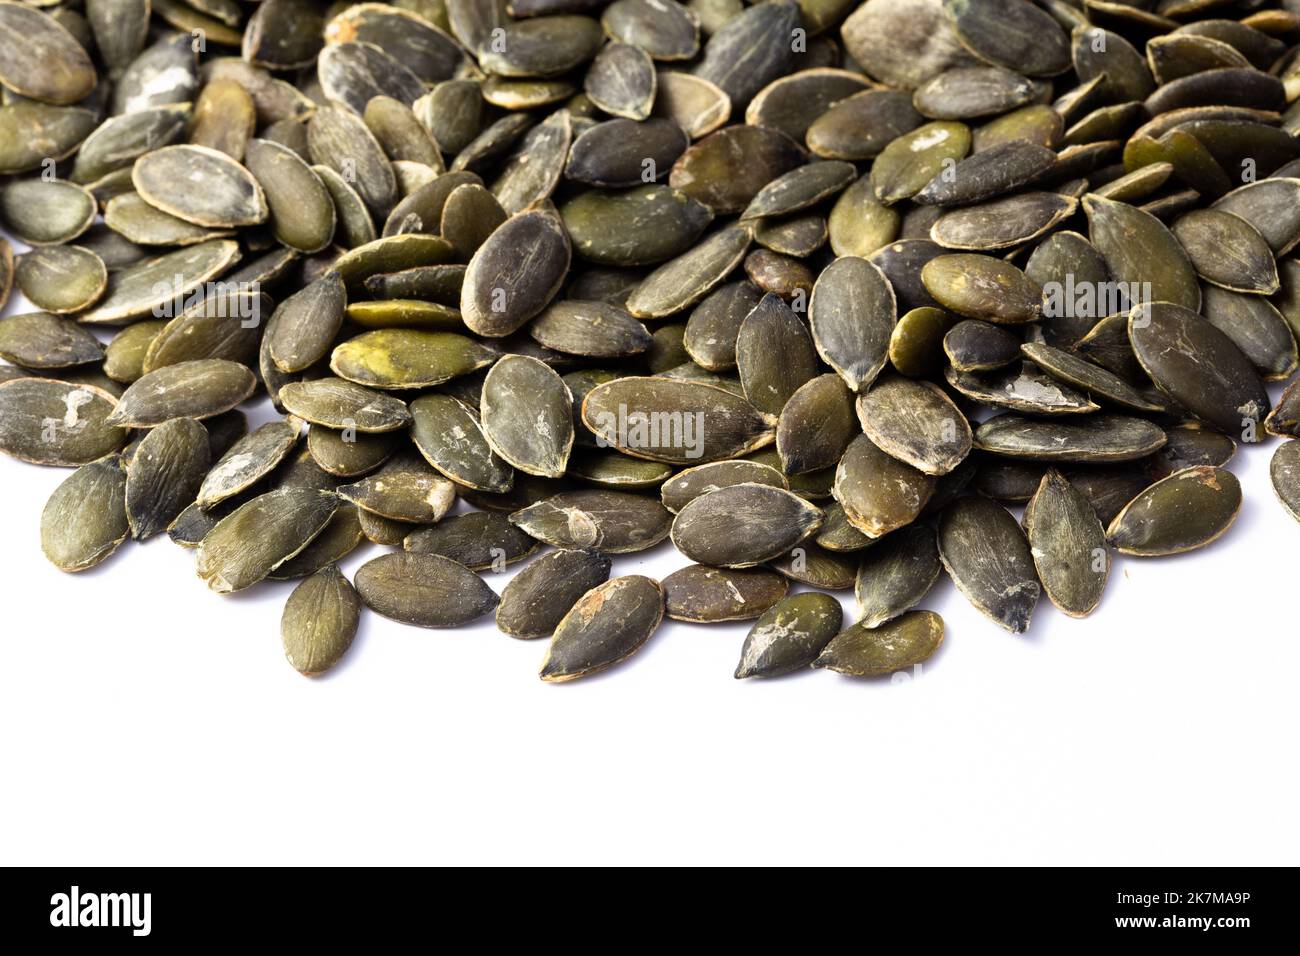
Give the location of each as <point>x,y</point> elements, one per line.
<point>144,720</point>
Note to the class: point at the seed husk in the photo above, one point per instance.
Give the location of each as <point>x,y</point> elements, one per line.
<point>616,522</point>
<point>40,59</point>
<point>164,475</point>
<point>1198,367</point>
<point>743,525</point>
<point>261,535</point>
<point>790,635</point>
<point>1023,389</point>
<point>641,226</point>
<point>695,104</point>
<point>907,641</point>
<point>301,209</point>
<point>1256,327</point>
<point>686,279</point>
<point>896,575</point>
<point>424,590</point>
<point>915,423</point>
<point>539,441</point>
<point>1185,511</point>
<point>751,50</point>
<point>1284,471</point>
<point>84,521</point>
<point>125,354</point>
<point>1270,206</point>
<point>705,595</point>
<point>981,287</point>
<point>38,340</point>
<point>1205,234</point>
<point>448,435</point>
<point>1088,440</point>
<point>973,92</point>
<point>852,312</point>
<point>707,423</point>
<point>861,126</point>
<point>988,557</point>
<point>248,461</point>
<point>879,493</point>
<point>31,132</point>
<point>406,489</point>
<point>1084,375</point>
<point>224,325</point>
<point>622,81</point>
<point>339,140</point>
<point>1068,545</point>
<point>504,289</point>
<point>200,185</point>
<point>47,422</point>
<point>536,600</point>
<point>347,454</point>
<point>1138,248</point>
<point>1002,223</point>
<point>620,152</point>
<point>916,344</point>
<point>339,404</point>
<point>592,329</point>
<point>687,485</point>
<point>1284,420</point>
<point>815,426</point>
<point>911,161</point>
<point>1187,446</point>
<point>708,173</point>
<point>791,103</point>
<point>196,389</point>
<point>46,212</point>
<point>992,172</point>
<point>320,621</point>
<point>149,288</point>
<point>408,358</point>
<point>774,355</point>
<point>480,540</point>
<point>607,625</point>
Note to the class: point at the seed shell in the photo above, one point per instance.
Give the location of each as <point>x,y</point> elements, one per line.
<point>790,635</point>
<point>1284,470</point>
<point>743,525</point>
<point>1089,440</point>
<point>149,288</point>
<point>46,422</point>
<point>538,597</point>
<point>616,522</point>
<point>504,289</point>
<point>1068,545</point>
<point>197,389</point>
<point>683,281</point>
<point>164,475</point>
<point>1090,378</point>
<point>905,642</point>
<point>705,595</point>
<point>424,590</point>
<point>84,521</point>
<point>1187,510</point>
<point>916,423</point>
<point>480,540</point>
<point>40,59</point>
<point>687,485</point>
<point>405,490</point>
<point>879,493</point>
<point>988,557</point>
<point>896,575</point>
<point>249,460</point>
<point>538,442</point>
<point>320,621</point>
<point>408,358</point>
<point>816,425</point>
<point>852,313</point>
<point>261,535</point>
<point>775,355</point>
<point>38,340</point>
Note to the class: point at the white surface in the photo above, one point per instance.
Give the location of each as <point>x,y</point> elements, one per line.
<point>144,720</point>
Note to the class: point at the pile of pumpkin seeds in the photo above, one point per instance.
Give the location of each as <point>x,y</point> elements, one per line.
<point>816,290</point>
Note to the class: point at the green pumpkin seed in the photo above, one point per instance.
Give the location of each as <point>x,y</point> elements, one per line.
<point>1205,233</point>
<point>40,59</point>
<point>774,355</point>
<point>1139,249</point>
<point>407,358</point>
<point>164,475</point>
<point>677,422</point>
<point>800,188</point>
<point>1270,206</point>
<point>1090,378</point>
<point>539,440</point>
<point>852,313</point>
<point>799,236</point>
<point>262,535</point>
<point>916,345</point>
<point>1068,545</point>
<point>1284,470</point>
<point>815,426</point>
<point>57,423</point>
<point>972,92</point>
<point>751,50</point>
<point>695,104</point>
<point>810,564</point>
<point>982,287</point>
<point>593,329</point>
<point>248,461</point>
<point>714,325</point>
<point>150,288</point>
<point>1185,511</point>
<point>1198,367</point>
<point>320,621</point>
<point>704,595</point>
<point>1091,439</point>
<point>709,173</point>
<point>349,455</point>
<point>31,133</point>
<point>405,490</point>
<point>503,289</point>
<point>480,540</point>
<point>1284,420</point>
<point>837,534</point>
<point>762,522</point>
<point>84,521</point>
<point>424,590</point>
<point>536,600</point>
<point>225,325</point>
<point>908,641</point>
<point>666,31</point>
<point>302,211</point>
<point>896,575</point>
<point>622,82</point>
<point>125,354</point>
<point>1002,223</point>
<point>616,522</point>
<point>791,103</point>
<point>988,558</point>
<point>44,212</point>
<point>1256,327</point>
<point>339,140</point>
<point>122,139</point>
<point>137,221</point>
<point>197,389</point>
<point>200,185</point>
<point>911,161</point>
<point>987,174</point>
<point>304,326</point>
<point>860,127</point>
<point>225,118</point>
<point>790,635</point>
<point>38,340</point>
<point>339,404</point>
<point>916,423</point>
<point>879,493</point>
<point>607,625</point>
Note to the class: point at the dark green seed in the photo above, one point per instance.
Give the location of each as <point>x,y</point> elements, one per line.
<point>1187,510</point>
<point>908,641</point>
<point>916,423</point>
<point>84,521</point>
<point>504,289</point>
<point>616,522</point>
<point>1023,389</point>
<point>743,525</point>
<point>198,389</point>
<point>816,425</point>
<point>57,423</point>
<point>1284,470</point>
<point>408,358</point>
<point>896,575</point>
<point>1082,374</point>
<point>480,540</point>
<point>607,625</point>
<point>405,490</point>
<point>1089,440</point>
<point>249,460</point>
<point>339,404</point>
<point>38,340</point>
<point>164,475</point>
<point>982,287</point>
<point>852,313</point>
<point>705,595</point>
<point>686,486</point>
<point>261,535</point>
<point>1068,545</point>
<point>790,635</point>
<point>341,537</point>
<point>975,346</point>
<point>302,210</point>
<point>320,621</point>
<point>683,281</point>
<point>538,597</point>
<point>424,590</point>
<point>988,558</point>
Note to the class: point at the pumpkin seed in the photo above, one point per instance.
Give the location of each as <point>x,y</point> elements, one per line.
<point>815,426</point>
<point>982,287</point>
<point>536,600</point>
<point>320,621</point>
<point>339,404</point>
<point>261,535</point>
<point>42,60</point>
<point>248,461</point>
<point>852,312</point>
<point>687,485</point>
<point>46,212</point>
<point>607,625</point>
<point>790,635</point>
<point>1068,545</point>
<point>424,590</point>
<point>916,423</point>
<point>196,389</point>
<point>38,340</point>
<point>905,642</point>
<point>1090,378</point>
<point>406,489</point>
<point>164,475</point>
<point>989,559</point>
<point>1091,439</point>
<point>84,521</point>
<point>695,104</point>
<point>1204,233</point>
<point>987,174</point>
<point>407,358</point>
<point>46,422</point>
<point>1284,470</point>
<point>480,540</point>
<point>151,287</point>
<point>616,522</point>
<point>704,595</point>
<point>764,522</point>
<point>1187,510</point>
